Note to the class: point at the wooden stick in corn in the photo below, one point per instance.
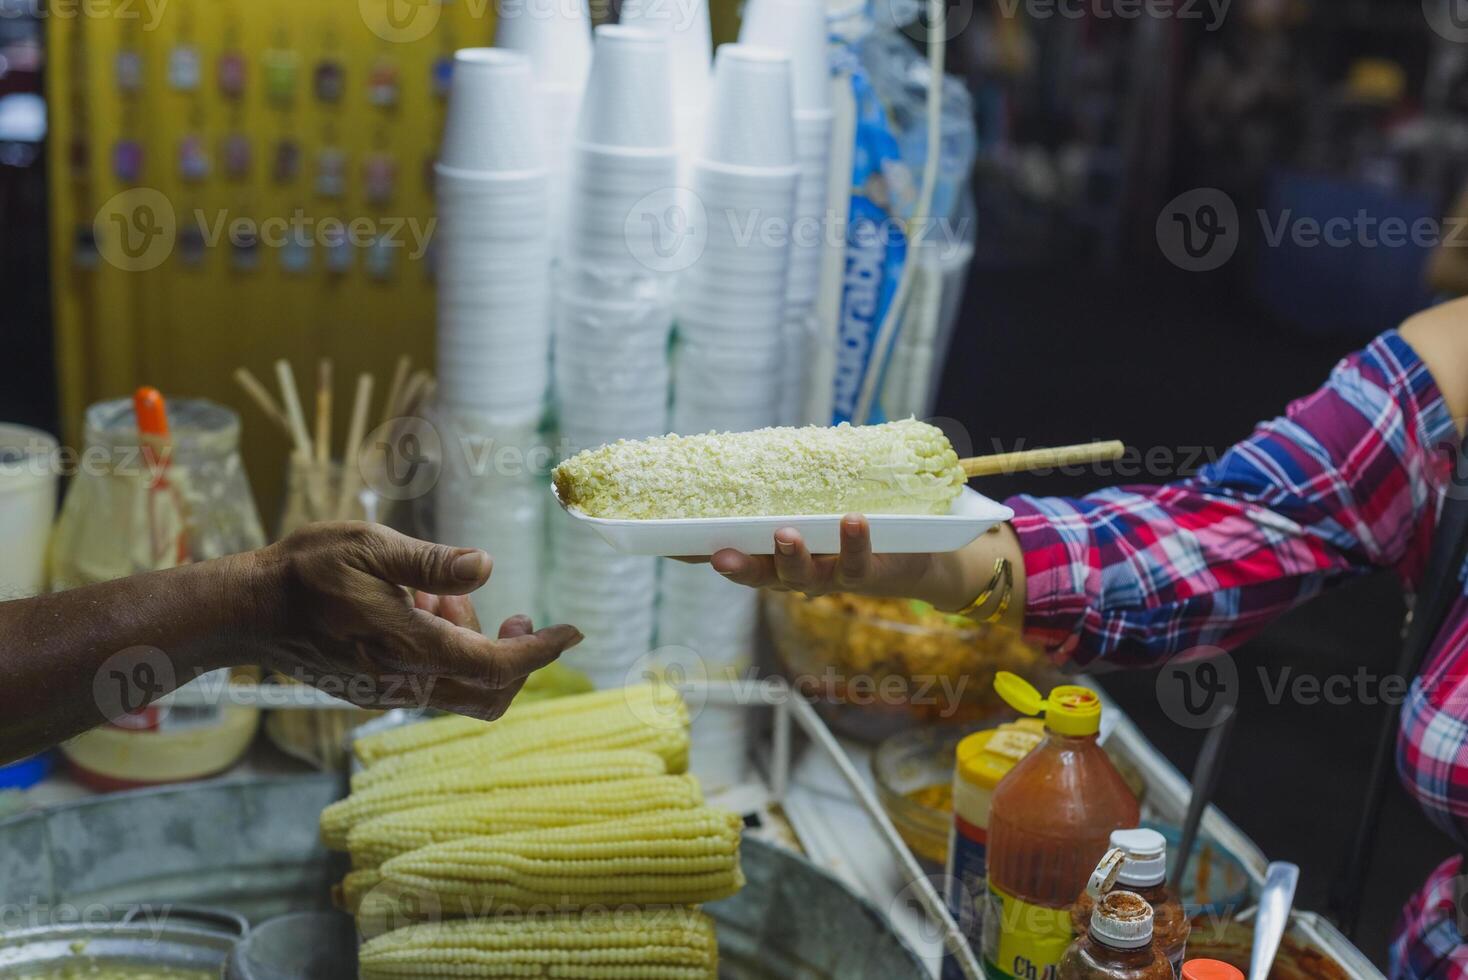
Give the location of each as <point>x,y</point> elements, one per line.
<point>429,788</point>
<point>651,944</point>
<point>615,725</point>
<point>375,841</point>
<point>676,857</point>
<point>654,698</point>
<point>905,467</point>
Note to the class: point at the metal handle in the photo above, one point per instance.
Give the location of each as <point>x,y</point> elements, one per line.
<point>221,921</point>
<point>1273,917</point>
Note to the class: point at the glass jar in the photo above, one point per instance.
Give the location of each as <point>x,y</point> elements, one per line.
<point>104,532</point>
<point>122,504</point>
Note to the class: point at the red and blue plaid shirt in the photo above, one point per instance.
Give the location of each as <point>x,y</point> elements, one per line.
<point>1349,481</point>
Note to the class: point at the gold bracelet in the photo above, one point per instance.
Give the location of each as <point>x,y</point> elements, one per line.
<point>1003,577</point>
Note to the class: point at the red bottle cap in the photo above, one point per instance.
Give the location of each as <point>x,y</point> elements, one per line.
<point>1210,970</point>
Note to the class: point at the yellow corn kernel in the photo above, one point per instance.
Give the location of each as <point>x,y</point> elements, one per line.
<point>371,749</point>
<point>433,787</point>
<point>654,944</point>
<point>677,857</point>
<point>661,728</point>
<point>375,841</point>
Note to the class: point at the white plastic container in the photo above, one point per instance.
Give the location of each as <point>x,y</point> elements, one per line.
<point>28,477</point>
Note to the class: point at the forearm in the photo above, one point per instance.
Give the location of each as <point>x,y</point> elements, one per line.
<point>72,658</point>
<point>957,578</point>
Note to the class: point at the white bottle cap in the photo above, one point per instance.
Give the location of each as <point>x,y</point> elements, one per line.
<point>1103,879</point>
<point>1146,857</point>
<point>1122,920</point>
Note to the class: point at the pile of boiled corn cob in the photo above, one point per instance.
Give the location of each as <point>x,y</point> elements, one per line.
<point>564,840</point>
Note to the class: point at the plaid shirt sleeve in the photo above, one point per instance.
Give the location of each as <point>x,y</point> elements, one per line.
<point>1344,483</point>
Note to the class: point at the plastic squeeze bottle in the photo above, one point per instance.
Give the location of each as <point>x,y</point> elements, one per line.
<point>982,760</point>
<point>1050,822</point>
<point>1144,871</point>
<point>1118,945</point>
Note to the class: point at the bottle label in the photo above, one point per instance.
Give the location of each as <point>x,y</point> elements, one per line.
<point>1024,941</point>
<point>968,888</point>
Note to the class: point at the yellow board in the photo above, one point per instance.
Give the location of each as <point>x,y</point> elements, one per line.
<point>138,299</point>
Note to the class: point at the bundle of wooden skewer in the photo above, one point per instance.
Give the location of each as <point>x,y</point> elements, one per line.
<point>323,487</point>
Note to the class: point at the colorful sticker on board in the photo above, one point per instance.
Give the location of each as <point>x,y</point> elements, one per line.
<point>331,173</point>
<point>183,68</point>
<point>244,251</point>
<point>382,84</point>
<point>281,72</point>
<point>237,156</point>
<point>380,259</point>
<point>285,164</point>
<point>127,160</point>
<point>231,72</point>
<point>193,160</point>
<point>338,250</point>
<point>295,255</point>
<point>329,80</point>
<point>191,245</point>
<point>441,75</point>
<point>85,254</point>
<point>129,72</point>
<point>380,174</point>
<point>79,152</point>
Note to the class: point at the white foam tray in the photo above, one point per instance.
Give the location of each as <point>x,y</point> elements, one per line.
<point>972,514</point>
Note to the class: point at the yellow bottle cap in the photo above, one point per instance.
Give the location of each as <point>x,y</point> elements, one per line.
<point>1069,710</point>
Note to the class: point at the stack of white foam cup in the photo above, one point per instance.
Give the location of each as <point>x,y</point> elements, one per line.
<point>613,323</point>
<point>494,319</point>
<point>685,28</point>
<point>798,27</point>
<point>556,36</point>
<point>730,317</point>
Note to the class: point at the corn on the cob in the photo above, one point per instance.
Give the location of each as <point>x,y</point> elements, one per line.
<point>355,887</point>
<point>412,790</point>
<point>372,749</point>
<point>375,841</point>
<point>659,944</point>
<point>612,727</point>
<point>905,467</point>
<point>678,857</point>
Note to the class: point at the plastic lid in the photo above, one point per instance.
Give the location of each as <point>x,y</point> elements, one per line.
<point>1146,857</point>
<point>1069,710</point>
<point>1122,920</point>
<point>984,758</point>
<point>1103,879</point>
<point>1210,970</point>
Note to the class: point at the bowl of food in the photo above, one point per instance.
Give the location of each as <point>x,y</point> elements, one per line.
<point>913,771</point>
<point>874,667</point>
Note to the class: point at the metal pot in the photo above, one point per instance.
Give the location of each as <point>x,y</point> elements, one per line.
<point>251,845</point>
<point>180,937</point>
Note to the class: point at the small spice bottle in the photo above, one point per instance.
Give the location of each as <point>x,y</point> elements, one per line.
<point>1118,944</point>
<point>1144,871</point>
